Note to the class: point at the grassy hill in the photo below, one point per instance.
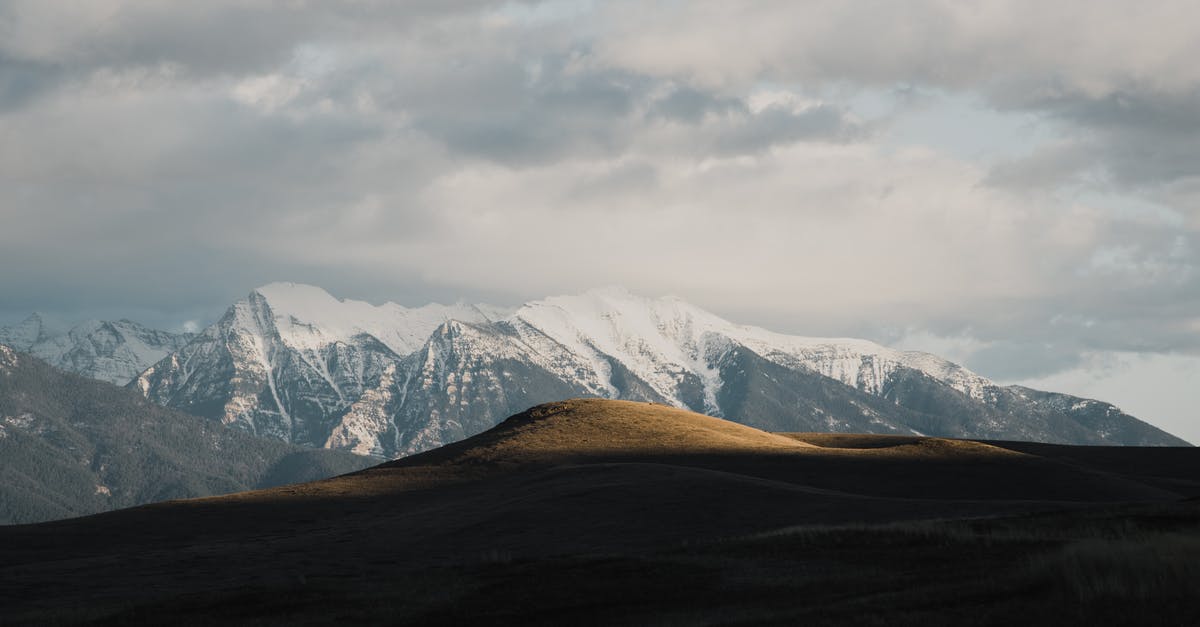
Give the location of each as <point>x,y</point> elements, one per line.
<point>595,512</point>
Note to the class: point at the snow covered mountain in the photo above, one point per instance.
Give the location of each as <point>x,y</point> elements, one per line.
<point>115,352</point>
<point>292,362</point>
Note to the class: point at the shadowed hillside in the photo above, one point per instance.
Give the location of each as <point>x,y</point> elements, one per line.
<point>618,512</point>
<point>71,446</point>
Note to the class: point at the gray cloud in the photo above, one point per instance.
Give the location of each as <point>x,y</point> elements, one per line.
<point>168,158</point>
<point>1138,140</point>
<point>1013,360</point>
<point>22,81</point>
<point>780,125</point>
<point>690,105</point>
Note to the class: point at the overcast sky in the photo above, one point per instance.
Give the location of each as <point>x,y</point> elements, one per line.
<point>1015,185</point>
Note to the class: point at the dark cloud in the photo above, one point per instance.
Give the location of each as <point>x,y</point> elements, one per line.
<point>1138,139</point>
<point>22,81</point>
<point>777,125</point>
<point>553,116</point>
<point>1046,168</point>
<point>1008,360</point>
<point>690,105</point>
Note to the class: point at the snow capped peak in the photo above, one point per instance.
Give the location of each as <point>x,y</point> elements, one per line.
<point>294,362</point>
<point>110,351</point>
<point>308,317</point>
<point>662,341</point>
<point>287,297</point>
<point>25,333</point>
<point>668,334</point>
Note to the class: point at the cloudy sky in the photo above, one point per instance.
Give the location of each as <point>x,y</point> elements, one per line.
<point>1015,185</point>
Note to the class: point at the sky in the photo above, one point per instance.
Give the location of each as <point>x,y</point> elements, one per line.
<point>1014,185</point>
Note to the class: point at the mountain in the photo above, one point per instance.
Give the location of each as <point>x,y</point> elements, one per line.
<point>600,512</point>
<point>294,363</point>
<point>70,446</point>
<point>115,352</point>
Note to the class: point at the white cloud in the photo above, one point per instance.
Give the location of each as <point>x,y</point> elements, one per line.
<point>1093,47</point>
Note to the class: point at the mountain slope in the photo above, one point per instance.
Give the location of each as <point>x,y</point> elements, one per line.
<point>292,362</point>
<point>71,446</point>
<point>115,352</point>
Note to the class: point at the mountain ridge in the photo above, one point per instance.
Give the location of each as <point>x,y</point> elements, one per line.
<point>73,445</point>
<point>292,362</point>
<point>111,351</point>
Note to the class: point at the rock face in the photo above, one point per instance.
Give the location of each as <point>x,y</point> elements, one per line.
<point>115,352</point>
<point>292,362</point>
<point>72,446</point>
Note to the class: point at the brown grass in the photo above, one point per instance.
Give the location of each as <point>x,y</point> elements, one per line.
<point>551,491</point>
<point>596,426</point>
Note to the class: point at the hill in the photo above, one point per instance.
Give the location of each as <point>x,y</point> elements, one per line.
<point>71,445</point>
<point>614,512</point>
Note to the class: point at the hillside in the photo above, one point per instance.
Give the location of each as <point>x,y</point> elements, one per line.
<point>71,445</point>
<point>601,505</point>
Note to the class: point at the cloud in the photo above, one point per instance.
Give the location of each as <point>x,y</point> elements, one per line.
<point>173,157</point>
<point>1013,49</point>
<point>1117,75</point>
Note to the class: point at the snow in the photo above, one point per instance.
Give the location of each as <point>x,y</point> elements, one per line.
<point>360,429</point>
<point>110,351</point>
<point>308,317</point>
<point>284,340</point>
<point>656,339</point>
<point>659,338</point>
<point>8,358</point>
<point>660,341</point>
<point>22,421</point>
<point>24,334</point>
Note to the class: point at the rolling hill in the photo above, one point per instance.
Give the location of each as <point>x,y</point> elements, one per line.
<point>596,511</point>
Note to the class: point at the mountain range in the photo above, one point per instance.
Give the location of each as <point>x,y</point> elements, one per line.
<point>292,362</point>
<point>115,352</point>
<point>71,445</point>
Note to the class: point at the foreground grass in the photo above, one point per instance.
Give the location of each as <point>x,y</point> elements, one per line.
<point>1128,566</point>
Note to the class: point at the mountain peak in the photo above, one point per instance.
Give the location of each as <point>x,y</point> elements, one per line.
<point>392,380</point>
<point>25,333</point>
<point>295,296</point>
<point>110,351</point>
<point>308,317</point>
